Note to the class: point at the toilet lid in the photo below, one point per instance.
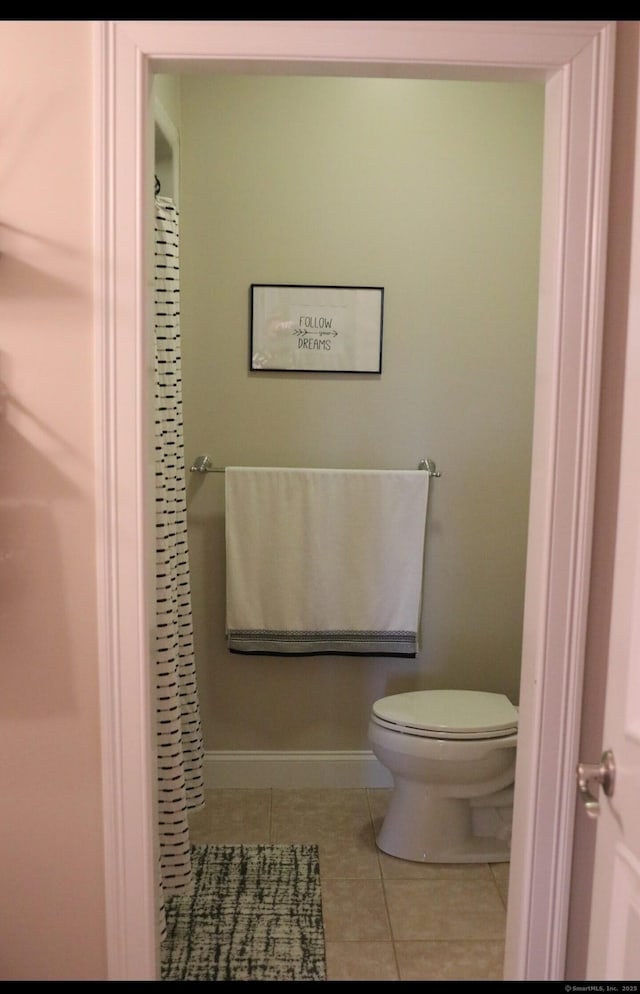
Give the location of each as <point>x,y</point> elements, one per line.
<point>449,713</point>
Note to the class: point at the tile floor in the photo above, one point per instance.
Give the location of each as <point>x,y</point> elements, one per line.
<point>384,918</point>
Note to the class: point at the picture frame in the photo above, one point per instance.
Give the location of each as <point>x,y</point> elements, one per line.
<point>316,329</point>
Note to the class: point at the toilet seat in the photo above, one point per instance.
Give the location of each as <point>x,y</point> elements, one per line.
<point>447,714</point>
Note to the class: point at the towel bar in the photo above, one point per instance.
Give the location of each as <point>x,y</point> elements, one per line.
<point>203,464</point>
<point>429,466</point>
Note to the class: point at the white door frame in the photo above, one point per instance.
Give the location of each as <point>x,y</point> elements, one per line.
<point>575,60</point>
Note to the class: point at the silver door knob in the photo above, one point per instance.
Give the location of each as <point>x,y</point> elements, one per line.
<point>603,773</point>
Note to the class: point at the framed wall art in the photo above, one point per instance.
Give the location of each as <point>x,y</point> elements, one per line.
<point>316,329</point>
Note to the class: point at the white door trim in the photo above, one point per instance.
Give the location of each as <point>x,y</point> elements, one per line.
<point>575,60</point>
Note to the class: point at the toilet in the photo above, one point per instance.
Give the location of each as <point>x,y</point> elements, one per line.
<point>452,756</point>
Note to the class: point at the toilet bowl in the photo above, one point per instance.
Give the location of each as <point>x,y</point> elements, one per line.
<point>450,753</point>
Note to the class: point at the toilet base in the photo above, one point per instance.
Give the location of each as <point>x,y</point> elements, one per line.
<point>425,827</point>
<point>473,850</point>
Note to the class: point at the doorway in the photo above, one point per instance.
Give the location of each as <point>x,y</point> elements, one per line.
<point>577,73</point>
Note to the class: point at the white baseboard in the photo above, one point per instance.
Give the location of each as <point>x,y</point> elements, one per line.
<point>294,769</point>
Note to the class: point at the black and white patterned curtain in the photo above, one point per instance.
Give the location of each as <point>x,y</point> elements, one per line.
<point>179,734</point>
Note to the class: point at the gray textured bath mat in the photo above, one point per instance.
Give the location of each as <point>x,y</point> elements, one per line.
<point>254,913</point>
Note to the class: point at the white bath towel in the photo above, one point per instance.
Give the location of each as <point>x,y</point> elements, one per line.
<point>324,560</point>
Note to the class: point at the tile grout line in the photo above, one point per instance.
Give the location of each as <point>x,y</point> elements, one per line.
<point>384,889</point>
<point>497,886</point>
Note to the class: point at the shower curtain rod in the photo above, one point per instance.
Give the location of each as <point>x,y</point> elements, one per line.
<point>203,464</point>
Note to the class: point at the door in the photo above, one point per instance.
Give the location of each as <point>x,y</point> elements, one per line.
<point>614,934</point>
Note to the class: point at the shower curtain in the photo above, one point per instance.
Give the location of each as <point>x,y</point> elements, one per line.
<point>180,754</point>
